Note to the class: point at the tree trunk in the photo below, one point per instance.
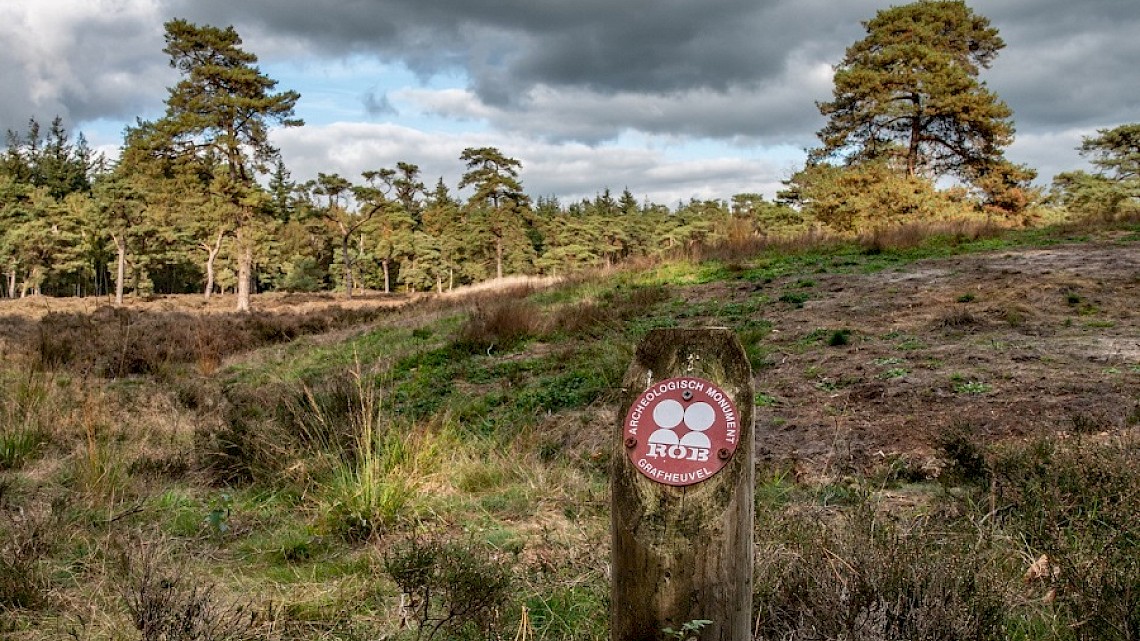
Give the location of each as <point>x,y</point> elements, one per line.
<point>212,252</point>
<point>499,256</point>
<point>120,267</point>
<point>387,276</point>
<point>915,137</point>
<point>12,284</point>
<point>347,267</point>
<point>245,271</point>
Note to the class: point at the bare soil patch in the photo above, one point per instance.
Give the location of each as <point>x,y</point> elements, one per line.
<point>1011,344</point>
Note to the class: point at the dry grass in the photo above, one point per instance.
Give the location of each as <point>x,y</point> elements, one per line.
<point>910,235</point>
<point>118,342</point>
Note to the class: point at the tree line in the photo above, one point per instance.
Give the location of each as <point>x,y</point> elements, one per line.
<point>200,200</point>
<point>71,224</point>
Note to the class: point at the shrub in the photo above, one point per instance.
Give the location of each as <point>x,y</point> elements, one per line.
<point>454,588</point>
<point>860,576</point>
<point>25,540</point>
<point>166,605</point>
<point>1076,503</point>
<point>796,299</point>
<point>500,325</point>
<point>957,319</point>
<point>839,338</point>
<point>116,342</point>
<point>965,458</point>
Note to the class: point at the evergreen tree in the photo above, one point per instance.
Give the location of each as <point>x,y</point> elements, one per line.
<point>185,207</point>
<point>391,227</point>
<point>120,209</point>
<point>443,221</point>
<point>498,201</point>
<point>222,109</point>
<point>1113,189</point>
<point>908,94</point>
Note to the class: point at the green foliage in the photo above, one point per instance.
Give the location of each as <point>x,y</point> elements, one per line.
<point>796,299</point>
<point>690,630</point>
<point>972,387</point>
<point>839,337</point>
<point>908,95</point>
<point>860,198</point>
<point>570,610</point>
<point>26,404</point>
<point>1113,192</point>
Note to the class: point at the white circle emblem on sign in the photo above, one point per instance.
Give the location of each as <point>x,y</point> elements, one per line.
<point>699,417</point>
<point>668,414</point>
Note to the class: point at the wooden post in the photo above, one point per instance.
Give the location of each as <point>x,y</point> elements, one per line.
<point>682,487</point>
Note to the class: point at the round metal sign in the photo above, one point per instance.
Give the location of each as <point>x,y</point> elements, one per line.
<point>681,431</point>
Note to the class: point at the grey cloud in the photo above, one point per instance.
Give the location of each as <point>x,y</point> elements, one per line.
<point>378,105</point>
<point>587,70</point>
<point>99,64</point>
<point>1066,62</point>
<point>659,48</point>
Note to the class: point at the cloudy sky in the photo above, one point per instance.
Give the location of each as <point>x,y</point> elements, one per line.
<point>672,99</point>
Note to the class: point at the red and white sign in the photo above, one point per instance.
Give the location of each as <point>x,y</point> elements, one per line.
<point>681,431</point>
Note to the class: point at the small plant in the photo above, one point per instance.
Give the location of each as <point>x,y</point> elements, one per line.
<point>911,344</point>
<point>764,400</point>
<point>839,338</point>
<point>968,297</point>
<point>690,630</point>
<point>218,517</point>
<point>896,372</point>
<point>24,541</point>
<point>957,319</point>
<point>827,385</point>
<point>972,387</point>
<point>796,299</point>
<point>165,605</point>
<point>965,459</point>
<point>452,587</point>
<point>898,469</point>
<point>501,325</point>
<point>18,445</point>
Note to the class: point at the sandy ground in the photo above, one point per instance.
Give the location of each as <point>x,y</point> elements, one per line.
<point>1012,344</point>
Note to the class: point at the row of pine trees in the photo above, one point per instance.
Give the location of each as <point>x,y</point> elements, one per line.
<point>72,224</point>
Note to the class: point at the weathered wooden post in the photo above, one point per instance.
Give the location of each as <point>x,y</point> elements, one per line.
<point>682,483</point>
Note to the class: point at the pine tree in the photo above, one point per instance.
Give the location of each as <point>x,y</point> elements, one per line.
<point>909,94</point>
<point>498,202</point>
<point>222,109</point>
